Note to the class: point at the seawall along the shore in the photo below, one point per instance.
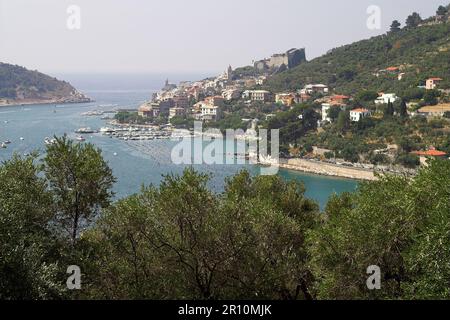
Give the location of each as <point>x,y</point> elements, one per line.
<point>327,169</point>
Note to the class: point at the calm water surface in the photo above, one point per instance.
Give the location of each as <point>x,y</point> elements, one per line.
<point>136,163</point>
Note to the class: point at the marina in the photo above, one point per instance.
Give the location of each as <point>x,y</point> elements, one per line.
<point>138,155</point>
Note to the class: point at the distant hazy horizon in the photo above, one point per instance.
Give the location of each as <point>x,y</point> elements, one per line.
<point>147,82</point>
<point>183,37</point>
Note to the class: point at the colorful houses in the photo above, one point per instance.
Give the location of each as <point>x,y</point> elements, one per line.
<point>209,109</point>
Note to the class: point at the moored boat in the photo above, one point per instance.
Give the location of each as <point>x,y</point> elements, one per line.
<point>85,130</point>
<point>49,141</point>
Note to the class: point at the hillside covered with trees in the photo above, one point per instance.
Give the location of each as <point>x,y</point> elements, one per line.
<point>398,63</point>
<point>20,85</point>
<point>259,239</point>
<point>420,50</point>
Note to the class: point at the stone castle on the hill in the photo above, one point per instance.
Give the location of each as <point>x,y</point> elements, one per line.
<point>288,60</point>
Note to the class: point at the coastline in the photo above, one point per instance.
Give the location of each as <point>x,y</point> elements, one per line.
<point>327,169</point>
<point>41,102</point>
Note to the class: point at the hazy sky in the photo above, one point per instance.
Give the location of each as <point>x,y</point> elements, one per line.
<point>183,36</point>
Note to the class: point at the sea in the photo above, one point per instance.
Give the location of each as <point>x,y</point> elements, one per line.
<point>134,163</point>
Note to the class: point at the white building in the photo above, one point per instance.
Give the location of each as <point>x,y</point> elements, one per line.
<point>256,95</point>
<point>209,84</point>
<point>210,112</point>
<point>316,88</point>
<point>385,98</point>
<point>326,108</point>
<point>357,114</point>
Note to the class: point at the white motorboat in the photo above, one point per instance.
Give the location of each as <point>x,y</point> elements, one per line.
<point>49,141</point>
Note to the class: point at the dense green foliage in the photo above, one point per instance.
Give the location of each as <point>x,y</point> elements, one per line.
<point>16,80</point>
<point>420,53</point>
<point>80,181</point>
<point>43,208</point>
<point>294,123</point>
<point>364,141</point>
<point>129,117</point>
<point>28,265</point>
<point>182,241</point>
<point>259,239</point>
<point>232,121</point>
<point>398,224</point>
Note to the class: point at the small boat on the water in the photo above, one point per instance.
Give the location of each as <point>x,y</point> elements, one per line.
<point>80,138</point>
<point>49,141</point>
<point>106,130</point>
<point>22,138</point>
<point>3,146</point>
<point>7,142</point>
<point>85,130</point>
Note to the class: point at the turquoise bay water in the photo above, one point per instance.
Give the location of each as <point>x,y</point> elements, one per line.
<point>134,163</point>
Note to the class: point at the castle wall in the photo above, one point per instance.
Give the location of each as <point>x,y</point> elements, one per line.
<point>277,60</point>
<point>290,59</point>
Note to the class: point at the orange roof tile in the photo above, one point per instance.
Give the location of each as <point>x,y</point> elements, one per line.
<point>361,110</point>
<point>392,69</point>
<point>432,153</point>
<point>338,96</point>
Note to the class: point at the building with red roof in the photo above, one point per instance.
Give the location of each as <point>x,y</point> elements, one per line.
<point>340,99</point>
<point>430,153</point>
<point>393,69</point>
<point>358,114</point>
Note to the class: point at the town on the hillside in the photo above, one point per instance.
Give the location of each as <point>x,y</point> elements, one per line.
<point>322,129</point>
